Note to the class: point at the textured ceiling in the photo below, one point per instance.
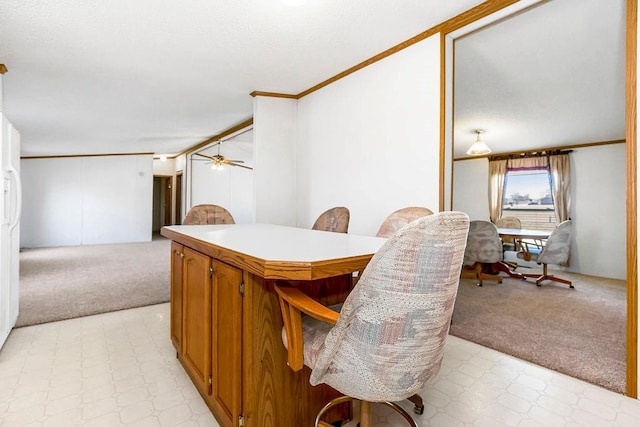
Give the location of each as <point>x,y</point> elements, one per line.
<point>118,76</point>
<point>553,75</point>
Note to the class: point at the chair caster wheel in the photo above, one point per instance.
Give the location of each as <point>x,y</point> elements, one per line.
<point>571,287</point>
<point>538,285</point>
<point>480,284</point>
<point>418,409</point>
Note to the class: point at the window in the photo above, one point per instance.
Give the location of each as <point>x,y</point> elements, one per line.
<point>527,196</point>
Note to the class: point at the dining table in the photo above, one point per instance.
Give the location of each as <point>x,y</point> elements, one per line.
<point>519,235</point>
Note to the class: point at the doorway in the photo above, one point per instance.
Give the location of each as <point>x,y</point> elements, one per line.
<point>178,187</point>
<point>162,206</point>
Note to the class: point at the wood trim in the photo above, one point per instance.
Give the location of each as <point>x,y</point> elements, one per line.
<point>83,155</point>
<point>274,94</point>
<point>632,199</point>
<point>215,138</point>
<point>474,14</point>
<point>559,148</point>
<point>3,69</point>
<point>443,121</point>
<point>480,11</point>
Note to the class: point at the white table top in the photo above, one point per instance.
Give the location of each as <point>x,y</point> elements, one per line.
<point>523,233</point>
<point>280,243</point>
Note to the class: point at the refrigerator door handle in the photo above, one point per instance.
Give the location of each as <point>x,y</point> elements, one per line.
<point>16,218</point>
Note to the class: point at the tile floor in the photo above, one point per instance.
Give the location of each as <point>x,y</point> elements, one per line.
<point>119,369</point>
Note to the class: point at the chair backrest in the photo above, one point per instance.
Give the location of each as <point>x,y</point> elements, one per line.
<point>208,214</point>
<point>400,218</point>
<point>556,250</point>
<point>509,222</point>
<point>335,219</point>
<point>390,336</point>
<point>483,244</point>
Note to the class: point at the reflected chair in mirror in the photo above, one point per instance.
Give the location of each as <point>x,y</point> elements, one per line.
<point>400,218</point>
<point>208,214</point>
<point>509,243</point>
<point>335,220</point>
<point>484,249</point>
<point>555,251</point>
<point>387,339</point>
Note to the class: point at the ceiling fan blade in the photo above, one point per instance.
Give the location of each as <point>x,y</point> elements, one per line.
<point>204,155</point>
<point>234,161</point>
<point>240,166</point>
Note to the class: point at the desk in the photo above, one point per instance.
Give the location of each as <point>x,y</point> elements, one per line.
<point>225,315</point>
<point>519,234</point>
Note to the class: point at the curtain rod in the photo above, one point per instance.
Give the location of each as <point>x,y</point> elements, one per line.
<point>565,147</point>
<point>526,155</point>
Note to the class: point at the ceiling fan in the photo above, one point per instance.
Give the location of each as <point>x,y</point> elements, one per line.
<point>219,161</point>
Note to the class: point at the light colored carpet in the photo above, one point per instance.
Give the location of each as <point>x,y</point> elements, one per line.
<point>67,282</point>
<point>580,332</point>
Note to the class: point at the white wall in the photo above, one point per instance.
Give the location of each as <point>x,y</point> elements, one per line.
<point>370,141</point>
<point>471,188</point>
<point>86,200</point>
<point>598,210</point>
<point>275,136</point>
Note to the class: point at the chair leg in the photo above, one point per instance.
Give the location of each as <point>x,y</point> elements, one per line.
<point>418,405</point>
<point>545,276</point>
<point>365,412</point>
<point>325,408</point>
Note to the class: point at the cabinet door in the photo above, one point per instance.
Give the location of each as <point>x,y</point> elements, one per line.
<point>196,326</point>
<point>176,294</point>
<point>226,336</point>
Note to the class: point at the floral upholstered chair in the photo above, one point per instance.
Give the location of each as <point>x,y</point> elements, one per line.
<point>394,222</point>
<point>335,219</point>
<point>387,340</point>
<point>208,214</point>
<point>555,251</point>
<point>400,218</point>
<point>484,247</point>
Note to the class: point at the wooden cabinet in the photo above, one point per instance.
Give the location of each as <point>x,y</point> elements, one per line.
<point>196,318</point>
<point>226,321</point>
<point>226,340</point>
<point>206,328</point>
<point>176,294</point>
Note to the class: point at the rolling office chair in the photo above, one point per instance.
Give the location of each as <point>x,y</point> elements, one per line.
<point>335,219</point>
<point>484,247</point>
<point>400,218</point>
<point>208,214</point>
<point>555,251</point>
<point>387,340</point>
<point>394,222</point>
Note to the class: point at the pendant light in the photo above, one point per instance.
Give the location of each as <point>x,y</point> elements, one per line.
<point>478,148</point>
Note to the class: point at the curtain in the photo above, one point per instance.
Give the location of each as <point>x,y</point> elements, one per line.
<point>497,173</point>
<point>560,180</point>
<point>528,163</point>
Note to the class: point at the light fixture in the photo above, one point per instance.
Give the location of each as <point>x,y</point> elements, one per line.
<point>163,158</point>
<point>478,148</point>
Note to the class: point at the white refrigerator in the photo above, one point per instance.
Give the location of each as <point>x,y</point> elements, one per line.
<point>10,206</point>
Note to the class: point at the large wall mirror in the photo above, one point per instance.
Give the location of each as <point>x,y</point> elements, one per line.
<point>553,75</point>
